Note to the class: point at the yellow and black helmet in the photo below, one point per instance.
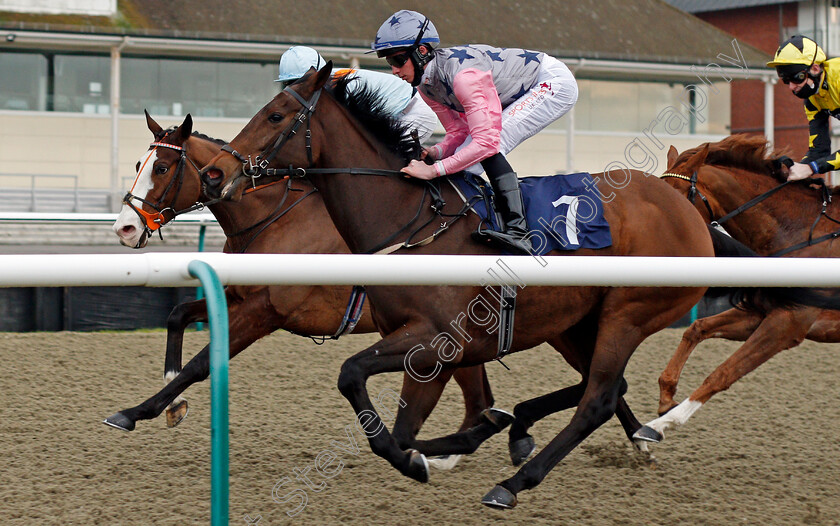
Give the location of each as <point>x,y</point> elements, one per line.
<point>798,50</point>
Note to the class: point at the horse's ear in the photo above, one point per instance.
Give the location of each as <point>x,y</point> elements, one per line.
<point>323,75</point>
<point>185,129</point>
<point>154,127</point>
<point>672,156</point>
<point>697,159</point>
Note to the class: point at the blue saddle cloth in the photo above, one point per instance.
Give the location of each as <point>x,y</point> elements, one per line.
<point>563,213</point>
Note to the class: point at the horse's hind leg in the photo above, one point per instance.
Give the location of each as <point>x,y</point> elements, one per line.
<point>826,329</point>
<point>733,324</point>
<point>781,329</point>
<point>249,321</point>
<point>181,316</point>
<point>597,405</point>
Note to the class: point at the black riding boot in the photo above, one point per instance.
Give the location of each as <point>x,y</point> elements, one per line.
<point>509,204</point>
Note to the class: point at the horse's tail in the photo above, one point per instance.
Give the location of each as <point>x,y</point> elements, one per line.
<point>764,299</point>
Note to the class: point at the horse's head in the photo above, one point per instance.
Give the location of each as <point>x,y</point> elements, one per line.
<point>161,186</point>
<point>280,134</point>
<point>718,177</point>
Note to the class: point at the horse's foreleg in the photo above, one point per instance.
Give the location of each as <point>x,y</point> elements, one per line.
<point>477,394</point>
<point>249,321</point>
<point>400,351</point>
<point>781,329</point>
<point>480,422</point>
<point>181,316</point>
<point>733,324</point>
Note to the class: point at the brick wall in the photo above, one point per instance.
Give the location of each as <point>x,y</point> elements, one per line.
<point>761,27</point>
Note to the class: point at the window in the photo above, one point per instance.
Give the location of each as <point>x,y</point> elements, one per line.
<point>82,84</point>
<point>201,88</point>
<point>23,83</point>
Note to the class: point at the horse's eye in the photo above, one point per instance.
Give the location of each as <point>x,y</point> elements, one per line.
<point>275,118</point>
<point>137,167</point>
<point>161,169</point>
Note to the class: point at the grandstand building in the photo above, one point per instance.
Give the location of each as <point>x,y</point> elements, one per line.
<point>75,77</point>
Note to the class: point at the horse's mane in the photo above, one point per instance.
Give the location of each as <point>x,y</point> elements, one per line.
<point>747,152</point>
<point>195,134</point>
<point>368,108</point>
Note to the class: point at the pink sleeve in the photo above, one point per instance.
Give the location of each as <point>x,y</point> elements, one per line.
<point>483,112</point>
<point>453,123</point>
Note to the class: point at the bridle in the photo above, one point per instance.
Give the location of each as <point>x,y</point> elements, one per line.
<point>153,221</point>
<point>716,223</point>
<point>258,167</point>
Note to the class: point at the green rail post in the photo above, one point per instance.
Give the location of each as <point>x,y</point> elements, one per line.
<point>219,357</point>
<point>693,313</point>
<point>199,291</point>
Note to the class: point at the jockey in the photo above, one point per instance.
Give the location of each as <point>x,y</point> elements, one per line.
<point>489,100</point>
<point>802,66</point>
<point>401,101</point>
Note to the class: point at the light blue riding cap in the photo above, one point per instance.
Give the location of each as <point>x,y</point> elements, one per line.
<point>401,30</point>
<point>296,62</point>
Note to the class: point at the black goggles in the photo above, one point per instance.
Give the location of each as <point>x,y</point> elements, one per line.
<point>397,60</point>
<point>797,78</point>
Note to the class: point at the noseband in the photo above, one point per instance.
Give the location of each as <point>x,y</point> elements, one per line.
<point>152,222</point>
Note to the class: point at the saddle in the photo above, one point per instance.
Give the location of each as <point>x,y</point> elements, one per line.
<point>564,212</point>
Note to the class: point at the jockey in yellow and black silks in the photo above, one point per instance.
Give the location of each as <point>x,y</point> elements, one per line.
<point>802,65</point>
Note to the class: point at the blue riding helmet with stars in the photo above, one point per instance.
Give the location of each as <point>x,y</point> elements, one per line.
<point>401,31</point>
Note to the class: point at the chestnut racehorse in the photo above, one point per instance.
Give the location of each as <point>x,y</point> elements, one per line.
<point>721,178</point>
<point>283,217</point>
<point>326,135</point>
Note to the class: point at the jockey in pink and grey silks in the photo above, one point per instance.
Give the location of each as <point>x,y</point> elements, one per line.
<point>497,96</point>
<point>488,99</point>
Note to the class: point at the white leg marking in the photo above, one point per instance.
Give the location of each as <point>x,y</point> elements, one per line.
<point>675,417</point>
<point>167,378</point>
<point>444,463</point>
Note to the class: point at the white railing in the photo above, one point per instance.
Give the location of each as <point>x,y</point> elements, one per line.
<point>156,269</point>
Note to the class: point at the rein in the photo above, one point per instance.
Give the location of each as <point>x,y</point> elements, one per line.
<point>716,223</point>
<point>258,167</point>
<point>273,216</point>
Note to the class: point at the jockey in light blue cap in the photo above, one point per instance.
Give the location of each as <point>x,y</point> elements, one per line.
<point>297,61</point>
<point>400,100</point>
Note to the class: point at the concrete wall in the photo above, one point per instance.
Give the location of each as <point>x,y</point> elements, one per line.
<point>78,144</point>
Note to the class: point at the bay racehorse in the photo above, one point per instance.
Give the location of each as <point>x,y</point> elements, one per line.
<point>739,184</point>
<point>352,158</point>
<point>286,216</point>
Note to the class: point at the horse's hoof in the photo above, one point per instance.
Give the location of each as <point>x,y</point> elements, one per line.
<point>444,462</point>
<point>418,466</point>
<point>174,415</point>
<point>120,421</point>
<point>500,498</point>
<point>521,450</point>
<point>648,434</point>
<point>498,417</point>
